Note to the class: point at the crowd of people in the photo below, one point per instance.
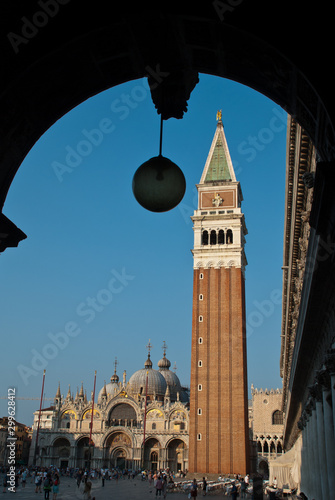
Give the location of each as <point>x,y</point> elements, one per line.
<point>48,479</point>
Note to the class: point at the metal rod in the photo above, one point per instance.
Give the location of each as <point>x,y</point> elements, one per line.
<point>161,137</point>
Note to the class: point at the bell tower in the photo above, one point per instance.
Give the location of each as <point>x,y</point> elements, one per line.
<point>219,437</point>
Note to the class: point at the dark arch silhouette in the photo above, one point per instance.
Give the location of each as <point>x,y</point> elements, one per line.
<point>59,53</point>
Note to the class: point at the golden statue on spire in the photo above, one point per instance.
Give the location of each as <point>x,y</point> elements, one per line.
<point>219,115</point>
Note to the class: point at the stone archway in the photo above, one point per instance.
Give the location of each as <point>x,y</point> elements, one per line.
<point>263,468</point>
<point>118,458</point>
<point>44,79</point>
<point>61,452</point>
<point>152,454</point>
<point>84,453</point>
<point>118,450</point>
<point>177,455</point>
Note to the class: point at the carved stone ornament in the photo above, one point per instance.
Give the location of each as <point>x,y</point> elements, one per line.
<point>323,377</point>
<point>316,392</point>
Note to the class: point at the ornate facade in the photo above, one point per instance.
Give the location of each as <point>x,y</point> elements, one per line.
<point>152,408</point>
<point>267,426</point>
<point>307,360</point>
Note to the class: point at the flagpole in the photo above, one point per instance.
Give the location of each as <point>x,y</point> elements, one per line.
<point>90,439</point>
<point>39,418</point>
<point>145,414</point>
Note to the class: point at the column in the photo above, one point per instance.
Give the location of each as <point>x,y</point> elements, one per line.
<point>323,377</point>
<point>316,396</point>
<point>322,450</point>
<point>308,467</point>
<point>302,427</point>
<point>330,365</point>
<point>316,469</point>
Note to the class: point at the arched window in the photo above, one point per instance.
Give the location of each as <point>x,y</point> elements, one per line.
<point>279,447</point>
<point>205,237</point>
<point>221,237</point>
<point>277,417</point>
<point>213,237</point>
<point>153,427</point>
<point>272,447</point>
<point>266,447</point>
<point>259,447</point>
<point>229,236</point>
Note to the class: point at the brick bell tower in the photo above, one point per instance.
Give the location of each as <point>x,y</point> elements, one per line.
<point>219,437</point>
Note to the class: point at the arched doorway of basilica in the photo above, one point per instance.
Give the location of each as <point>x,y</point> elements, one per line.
<point>154,460</point>
<point>118,458</point>
<point>177,455</point>
<point>152,454</point>
<point>118,451</point>
<point>61,450</point>
<point>83,452</point>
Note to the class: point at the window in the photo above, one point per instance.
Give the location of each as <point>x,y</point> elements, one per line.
<point>200,340</point>
<point>201,297</point>
<point>199,411</point>
<point>277,417</point>
<point>201,318</point>
<point>229,236</point>
<point>199,387</point>
<point>200,363</point>
<point>153,427</point>
<point>221,237</point>
<point>199,437</point>
<point>201,276</point>
<point>205,237</point>
<point>213,237</point>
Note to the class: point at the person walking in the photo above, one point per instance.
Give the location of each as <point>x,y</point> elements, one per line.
<point>47,486</point>
<point>158,486</point>
<point>164,486</point>
<point>87,490</point>
<point>194,488</point>
<point>243,488</point>
<point>234,491</point>
<point>204,486</point>
<point>38,482</point>
<point>55,487</point>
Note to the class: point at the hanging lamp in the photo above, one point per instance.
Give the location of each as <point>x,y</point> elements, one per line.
<point>159,184</point>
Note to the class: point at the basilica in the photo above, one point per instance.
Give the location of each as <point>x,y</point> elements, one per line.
<point>142,422</point>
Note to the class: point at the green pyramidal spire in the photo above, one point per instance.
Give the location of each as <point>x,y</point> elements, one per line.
<point>218,166</point>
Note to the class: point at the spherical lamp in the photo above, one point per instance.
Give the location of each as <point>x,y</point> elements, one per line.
<point>159,184</point>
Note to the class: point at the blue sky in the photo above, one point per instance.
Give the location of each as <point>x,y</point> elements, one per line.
<point>73,198</point>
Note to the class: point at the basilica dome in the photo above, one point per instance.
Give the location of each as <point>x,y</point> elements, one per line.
<point>156,381</point>
<point>110,389</point>
<point>172,381</point>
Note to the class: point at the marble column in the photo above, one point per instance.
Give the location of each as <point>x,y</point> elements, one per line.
<point>302,427</point>
<point>323,377</point>
<point>307,466</point>
<point>330,365</point>
<point>322,450</point>
<point>316,470</point>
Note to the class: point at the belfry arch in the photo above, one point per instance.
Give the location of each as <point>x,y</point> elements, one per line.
<point>46,76</point>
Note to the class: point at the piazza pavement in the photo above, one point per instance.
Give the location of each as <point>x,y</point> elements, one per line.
<point>123,489</point>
